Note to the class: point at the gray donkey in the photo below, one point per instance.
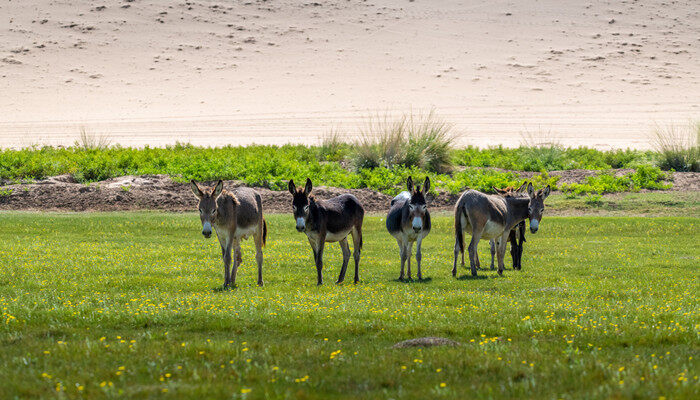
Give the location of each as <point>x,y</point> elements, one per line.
<point>493,217</point>
<point>234,215</point>
<point>329,220</point>
<point>409,221</point>
<point>517,235</point>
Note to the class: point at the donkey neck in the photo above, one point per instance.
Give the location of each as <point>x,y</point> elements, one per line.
<point>314,221</point>
<point>517,208</point>
<point>226,209</point>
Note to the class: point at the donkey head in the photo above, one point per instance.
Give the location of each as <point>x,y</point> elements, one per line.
<point>536,206</point>
<point>300,203</point>
<point>207,205</point>
<point>417,206</point>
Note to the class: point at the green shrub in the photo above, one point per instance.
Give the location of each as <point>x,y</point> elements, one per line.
<point>594,200</point>
<point>551,158</point>
<point>644,177</point>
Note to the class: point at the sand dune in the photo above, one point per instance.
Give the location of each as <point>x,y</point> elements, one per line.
<point>146,72</point>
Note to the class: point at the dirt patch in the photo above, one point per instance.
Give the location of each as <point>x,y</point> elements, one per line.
<point>159,192</point>
<point>148,192</point>
<point>426,342</point>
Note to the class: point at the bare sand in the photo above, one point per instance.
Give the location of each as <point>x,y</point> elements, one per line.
<point>154,72</point>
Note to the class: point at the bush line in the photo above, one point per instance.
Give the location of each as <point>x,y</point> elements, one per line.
<point>273,166</point>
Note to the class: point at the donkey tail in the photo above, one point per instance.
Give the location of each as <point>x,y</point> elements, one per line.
<point>459,230</point>
<point>264,232</point>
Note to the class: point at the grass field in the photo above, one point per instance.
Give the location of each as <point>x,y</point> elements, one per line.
<point>115,305</point>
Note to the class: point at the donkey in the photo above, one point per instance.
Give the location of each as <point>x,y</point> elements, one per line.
<point>491,217</point>
<point>516,236</point>
<point>234,215</point>
<point>409,221</point>
<point>329,220</point>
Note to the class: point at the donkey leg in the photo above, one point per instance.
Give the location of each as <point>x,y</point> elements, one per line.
<point>409,251</point>
<point>259,256</point>
<point>501,252</point>
<point>236,262</point>
<point>454,265</point>
<point>513,248</point>
<point>319,262</point>
<point>346,258</point>
<point>521,239</point>
<point>473,248</point>
<point>419,256</point>
<point>357,250</point>
<point>226,257</point>
<point>402,253</point>
<point>492,244</point>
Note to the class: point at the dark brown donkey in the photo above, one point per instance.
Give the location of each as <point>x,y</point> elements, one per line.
<point>491,217</point>
<point>234,215</point>
<point>409,221</point>
<point>517,234</point>
<point>329,220</point>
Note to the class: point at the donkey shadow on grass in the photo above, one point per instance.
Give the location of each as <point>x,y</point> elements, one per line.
<point>412,281</point>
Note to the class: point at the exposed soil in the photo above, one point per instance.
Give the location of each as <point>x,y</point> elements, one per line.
<point>159,192</point>
<point>426,342</point>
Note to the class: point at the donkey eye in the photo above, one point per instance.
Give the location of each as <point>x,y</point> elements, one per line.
<point>542,210</point>
<point>294,208</point>
<point>306,208</point>
<point>424,207</point>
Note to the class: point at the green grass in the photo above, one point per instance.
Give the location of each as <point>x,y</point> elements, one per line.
<point>273,166</point>
<point>121,305</point>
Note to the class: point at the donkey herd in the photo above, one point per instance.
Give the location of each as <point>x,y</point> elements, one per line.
<point>236,215</point>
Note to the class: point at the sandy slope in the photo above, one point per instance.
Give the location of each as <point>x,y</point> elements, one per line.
<point>600,73</point>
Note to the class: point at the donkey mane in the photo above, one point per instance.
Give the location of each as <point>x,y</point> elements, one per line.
<point>225,194</point>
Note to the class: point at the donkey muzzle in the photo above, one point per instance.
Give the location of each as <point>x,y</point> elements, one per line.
<point>301,224</point>
<point>534,225</point>
<point>206,230</point>
<point>417,224</point>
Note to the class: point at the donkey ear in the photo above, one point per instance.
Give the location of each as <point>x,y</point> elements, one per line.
<point>426,185</point>
<point>409,184</point>
<point>522,187</point>
<point>195,189</point>
<point>530,190</point>
<point>546,192</point>
<point>218,188</point>
<point>308,187</point>
<point>497,190</point>
<point>292,187</point>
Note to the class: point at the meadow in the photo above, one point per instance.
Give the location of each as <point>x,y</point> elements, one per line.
<point>113,305</point>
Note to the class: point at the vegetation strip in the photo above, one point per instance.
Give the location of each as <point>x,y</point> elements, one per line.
<point>272,166</point>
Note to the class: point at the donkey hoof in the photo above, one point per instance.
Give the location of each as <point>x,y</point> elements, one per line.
<point>261,283</point>
<point>356,281</point>
<point>500,272</point>
<point>339,282</point>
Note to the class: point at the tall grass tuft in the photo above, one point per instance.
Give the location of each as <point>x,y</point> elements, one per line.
<point>424,141</point>
<point>91,141</point>
<point>333,146</point>
<point>679,148</point>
